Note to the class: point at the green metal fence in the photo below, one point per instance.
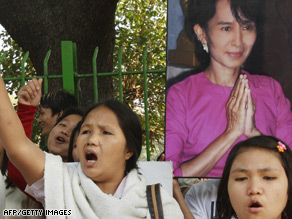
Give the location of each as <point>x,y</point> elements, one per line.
<point>71,77</point>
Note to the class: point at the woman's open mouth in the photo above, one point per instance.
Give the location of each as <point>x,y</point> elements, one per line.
<point>90,158</point>
<point>255,206</point>
<point>60,139</point>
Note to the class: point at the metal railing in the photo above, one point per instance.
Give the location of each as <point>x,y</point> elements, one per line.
<point>71,77</point>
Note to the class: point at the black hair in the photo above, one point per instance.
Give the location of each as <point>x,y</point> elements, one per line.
<point>4,168</point>
<point>130,125</point>
<point>223,205</point>
<point>58,101</point>
<point>71,142</point>
<point>202,11</point>
<point>69,111</point>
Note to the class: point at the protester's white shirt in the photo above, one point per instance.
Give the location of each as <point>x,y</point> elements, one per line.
<point>201,199</point>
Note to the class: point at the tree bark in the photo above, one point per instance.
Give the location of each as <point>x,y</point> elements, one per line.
<point>40,25</point>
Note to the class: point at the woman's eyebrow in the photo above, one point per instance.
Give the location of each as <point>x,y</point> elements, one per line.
<point>224,23</point>
<point>268,169</point>
<point>84,125</point>
<point>245,22</point>
<point>104,126</point>
<point>240,170</point>
<point>244,170</point>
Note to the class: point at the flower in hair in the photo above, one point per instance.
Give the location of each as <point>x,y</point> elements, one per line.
<point>281,147</point>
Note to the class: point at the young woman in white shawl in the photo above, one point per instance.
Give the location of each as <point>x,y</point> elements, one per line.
<point>105,184</point>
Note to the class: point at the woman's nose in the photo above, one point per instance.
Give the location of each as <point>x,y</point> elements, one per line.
<point>254,187</point>
<point>237,37</point>
<point>93,139</point>
<point>65,132</point>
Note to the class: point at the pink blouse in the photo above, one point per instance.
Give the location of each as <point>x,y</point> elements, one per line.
<point>196,116</point>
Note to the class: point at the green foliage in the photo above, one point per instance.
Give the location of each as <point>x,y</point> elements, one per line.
<point>140,23</point>
<point>11,65</point>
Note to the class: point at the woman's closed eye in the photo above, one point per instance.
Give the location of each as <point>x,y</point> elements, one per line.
<point>62,124</point>
<point>106,132</point>
<point>269,177</point>
<point>239,179</point>
<point>84,132</point>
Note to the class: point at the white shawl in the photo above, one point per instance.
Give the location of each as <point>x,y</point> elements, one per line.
<point>67,187</point>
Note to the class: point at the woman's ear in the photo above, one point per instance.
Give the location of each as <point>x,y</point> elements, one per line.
<point>201,34</point>
<point>129,153</point>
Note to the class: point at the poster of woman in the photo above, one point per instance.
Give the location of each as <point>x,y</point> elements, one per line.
<point>226,81</point>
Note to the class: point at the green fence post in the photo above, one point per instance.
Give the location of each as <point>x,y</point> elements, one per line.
<point>146,102</point>
<point>75,74</point>
<point>68,66</point>
<point>45,82</point>
<point>94,68</point>
<point>74,47</point>
<point>120,73</point>
<point>22,82</point>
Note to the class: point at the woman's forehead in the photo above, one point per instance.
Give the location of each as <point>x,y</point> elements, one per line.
<point>102,116</point>
<point>72,118</point>
<point>257,158</point>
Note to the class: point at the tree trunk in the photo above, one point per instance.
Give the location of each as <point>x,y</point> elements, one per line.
<point>40,25</point>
